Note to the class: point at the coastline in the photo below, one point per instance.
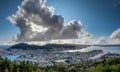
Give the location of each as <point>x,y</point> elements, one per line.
<point>51,54</point>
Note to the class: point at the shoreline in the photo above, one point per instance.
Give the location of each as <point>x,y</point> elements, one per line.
<point>52,54</point>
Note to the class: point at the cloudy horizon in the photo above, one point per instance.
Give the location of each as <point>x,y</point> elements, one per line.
<point>36,20</point>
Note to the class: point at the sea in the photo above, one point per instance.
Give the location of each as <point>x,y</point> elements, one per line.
<point>106,49</point>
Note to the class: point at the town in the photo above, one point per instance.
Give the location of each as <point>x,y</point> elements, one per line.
<point>53,54</point>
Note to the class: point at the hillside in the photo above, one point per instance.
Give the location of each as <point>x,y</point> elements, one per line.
<point>28,46</point>
<point>110,65</point>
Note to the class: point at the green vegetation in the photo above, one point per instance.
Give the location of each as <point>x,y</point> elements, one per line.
<point>110,65</point>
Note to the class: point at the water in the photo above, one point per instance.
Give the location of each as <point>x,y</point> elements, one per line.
<point>91,48</point>
<point>115,49</point>
<point>11,57</point>
<point>107,49</point>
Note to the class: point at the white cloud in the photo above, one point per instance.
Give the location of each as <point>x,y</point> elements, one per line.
<point>101,40</point>
<point>37,22</point>
<point>115,37</point>
<point>114,41</point>
<point>115,34</point>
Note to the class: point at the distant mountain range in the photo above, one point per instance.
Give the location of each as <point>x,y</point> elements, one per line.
<point>27,46</point>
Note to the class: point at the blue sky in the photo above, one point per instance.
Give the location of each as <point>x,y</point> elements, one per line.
<point>100,17</point>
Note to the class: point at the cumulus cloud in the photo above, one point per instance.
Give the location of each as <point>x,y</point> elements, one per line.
<point>36,22</point>
<point>101,40</point>
<point>115,37</point>
<point>71,30</point>
<point>113,41</point>
<point>85,37</point>
<point>115,34</point>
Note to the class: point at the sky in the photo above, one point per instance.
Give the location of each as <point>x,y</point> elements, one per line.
<point>98,17</point>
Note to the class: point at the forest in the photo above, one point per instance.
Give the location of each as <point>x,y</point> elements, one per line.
<point>109,65</point>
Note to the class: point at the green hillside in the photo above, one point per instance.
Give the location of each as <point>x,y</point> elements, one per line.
<point>110,65</point>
